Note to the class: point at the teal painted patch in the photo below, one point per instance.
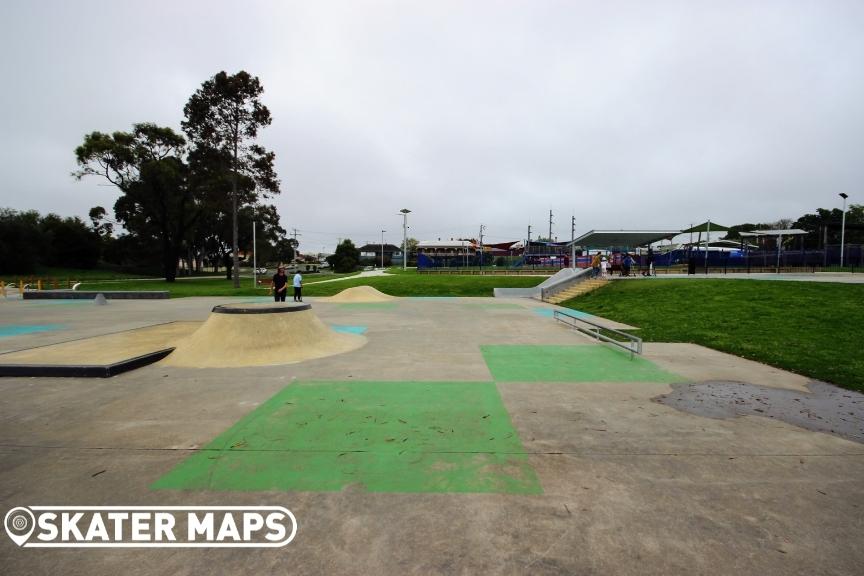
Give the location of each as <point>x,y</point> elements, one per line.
<point>545,312</point>
<point>494,306</point>
<point>585,363</point>
<point>63,302</point>
<point>375,436</point>
<point>370,306</point>
<point>432,298</point>
<point>10,330</point>
<point>349,329</point>
<point>550,313</point>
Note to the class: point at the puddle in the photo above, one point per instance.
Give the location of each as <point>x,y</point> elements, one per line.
<point>826,408</point>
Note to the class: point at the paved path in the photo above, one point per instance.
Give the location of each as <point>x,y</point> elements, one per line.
<point>836,277</point>
<point>363,274</point>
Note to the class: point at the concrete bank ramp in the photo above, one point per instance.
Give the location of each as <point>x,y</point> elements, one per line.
<point>360,294</point>
<point>237,335</point>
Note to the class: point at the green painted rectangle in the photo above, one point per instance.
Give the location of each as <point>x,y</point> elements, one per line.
<point>585,363</point>
<point>380,436</point>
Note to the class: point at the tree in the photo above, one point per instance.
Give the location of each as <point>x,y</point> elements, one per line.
<point>28,240</point>
<point>222,122</point>
<point>346,258</point>
<point>21,242</point>
<point>147,165</point>
<point>70,243</point>
<point>285,249</point>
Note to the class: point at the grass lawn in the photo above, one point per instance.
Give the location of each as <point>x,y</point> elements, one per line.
<point>70,274</point>
<point>814,329</point>
<point>395,285</point>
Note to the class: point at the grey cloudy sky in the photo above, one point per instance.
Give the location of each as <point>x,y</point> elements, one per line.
<point>629,114</point>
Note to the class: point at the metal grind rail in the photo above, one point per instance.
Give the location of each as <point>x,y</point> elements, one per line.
<point>633,344</point>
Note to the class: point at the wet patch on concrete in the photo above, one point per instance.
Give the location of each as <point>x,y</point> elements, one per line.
<point>826,408</point>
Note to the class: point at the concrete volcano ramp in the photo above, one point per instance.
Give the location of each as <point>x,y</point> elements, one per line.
<point>360,294</point>
<point>238,335</point>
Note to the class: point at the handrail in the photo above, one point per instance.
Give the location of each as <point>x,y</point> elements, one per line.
<point>633,344</point>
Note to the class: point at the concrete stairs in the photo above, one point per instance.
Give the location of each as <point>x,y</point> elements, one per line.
<point>576,290</point>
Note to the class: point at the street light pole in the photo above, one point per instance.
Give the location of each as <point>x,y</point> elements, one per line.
<point>382,248</point>
<point>405,213</point>
<point>843,228</point>
<point>254,257</point>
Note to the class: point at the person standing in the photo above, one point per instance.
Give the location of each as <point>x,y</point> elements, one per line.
<point>298,287</point>
<point>595,265</point>
<point>280,285</point>
<point>604,265</point>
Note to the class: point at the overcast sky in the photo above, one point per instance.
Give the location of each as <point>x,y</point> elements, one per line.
<point>627,114</point>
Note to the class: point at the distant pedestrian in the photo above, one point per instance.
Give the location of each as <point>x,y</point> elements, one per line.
<point>604,265</point>
<point>298,287</point>
<point>626,265</point>
<point>595,266</point>
<point>280,285</point>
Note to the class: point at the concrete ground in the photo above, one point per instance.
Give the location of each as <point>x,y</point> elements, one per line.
<point>619,483</point>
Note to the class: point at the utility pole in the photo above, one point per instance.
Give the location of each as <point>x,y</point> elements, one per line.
<point>572,242</point>
<point>843,229</point>
<point>405,213</point>
<point>550,225</point>
<point>254,255</point>
<point>527,251</point>
<point>482,228</point>
<point>382,248</point>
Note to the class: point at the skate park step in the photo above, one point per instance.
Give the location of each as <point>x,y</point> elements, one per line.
<point>576,290</point>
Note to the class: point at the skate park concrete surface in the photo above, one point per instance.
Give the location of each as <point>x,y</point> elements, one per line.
<point>467,436</point>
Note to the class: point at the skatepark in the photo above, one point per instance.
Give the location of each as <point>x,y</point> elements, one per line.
<point>426,435</point>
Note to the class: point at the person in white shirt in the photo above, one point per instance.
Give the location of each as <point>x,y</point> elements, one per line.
<point>604,265</point>
<point>298,286</point>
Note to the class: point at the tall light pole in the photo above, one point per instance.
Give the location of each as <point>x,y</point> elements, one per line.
<point>404,213</point>
<point>843,228</point>
<point>254,255</point>
<point>382,248</point>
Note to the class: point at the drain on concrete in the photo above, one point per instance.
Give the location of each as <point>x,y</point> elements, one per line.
<point>826,408</point>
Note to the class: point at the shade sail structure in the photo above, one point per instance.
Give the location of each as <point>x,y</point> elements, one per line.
<point>789,232</point>
<point>708,226</point>
<point>623,238</point>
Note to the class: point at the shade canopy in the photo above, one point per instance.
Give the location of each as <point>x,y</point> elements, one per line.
<point>708,226</point>
<point>610,238</point>
<point>789,232</point>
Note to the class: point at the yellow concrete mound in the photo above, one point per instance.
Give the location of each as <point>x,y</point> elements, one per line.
<point>260,334</point>
<point>360,294</point>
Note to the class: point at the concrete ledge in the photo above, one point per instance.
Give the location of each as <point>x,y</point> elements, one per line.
<point>82,370</point>
<point>91,294</point>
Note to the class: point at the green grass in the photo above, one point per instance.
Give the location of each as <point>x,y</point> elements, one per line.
<point>395,285</point>
<point>812,328</point>
<point>71,274</point>
<point>376,436</point>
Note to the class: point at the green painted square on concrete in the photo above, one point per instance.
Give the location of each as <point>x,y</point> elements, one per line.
<point>584,363</point>
<point>360,306</point>
<point>380,436</point>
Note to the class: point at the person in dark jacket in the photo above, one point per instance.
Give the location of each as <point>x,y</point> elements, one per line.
<point>280,285</point>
